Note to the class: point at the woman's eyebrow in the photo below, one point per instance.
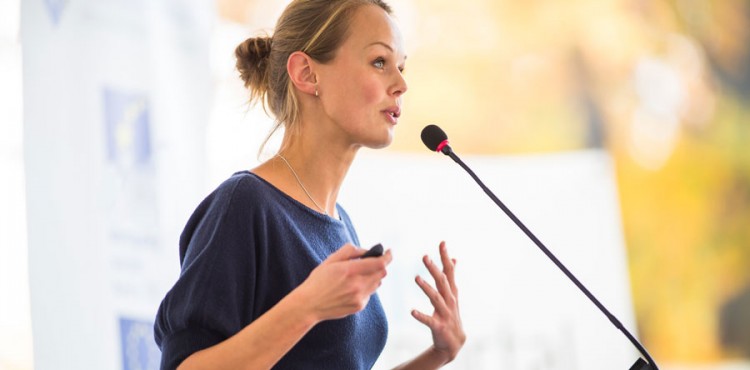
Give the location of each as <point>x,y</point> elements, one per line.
<point>382,44</point>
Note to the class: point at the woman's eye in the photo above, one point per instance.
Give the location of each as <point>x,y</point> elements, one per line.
<point>379,63</point>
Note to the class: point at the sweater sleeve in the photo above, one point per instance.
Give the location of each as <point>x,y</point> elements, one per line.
<point>215,291</point>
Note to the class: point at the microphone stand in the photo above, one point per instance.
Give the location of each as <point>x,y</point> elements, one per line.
<point>640,364</point>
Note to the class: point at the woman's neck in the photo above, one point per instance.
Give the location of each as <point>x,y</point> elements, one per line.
<point>309,169</point>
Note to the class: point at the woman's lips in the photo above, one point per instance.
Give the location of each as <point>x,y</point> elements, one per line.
<point>392,114</point>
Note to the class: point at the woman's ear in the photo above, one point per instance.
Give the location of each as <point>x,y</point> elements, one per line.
<point>300,69</point>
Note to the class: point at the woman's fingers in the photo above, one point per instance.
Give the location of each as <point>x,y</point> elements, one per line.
<point>441,281</point>
<point>344,282</point>
<point>424,319</point>
<point>449,265</point>
<point>437,301</point>
<point>445,323</point>
<point>372,265</point>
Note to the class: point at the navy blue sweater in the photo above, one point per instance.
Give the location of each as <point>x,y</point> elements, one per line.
<point>245,247</point>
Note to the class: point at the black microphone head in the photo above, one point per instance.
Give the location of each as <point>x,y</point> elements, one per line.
<point>433,136</point>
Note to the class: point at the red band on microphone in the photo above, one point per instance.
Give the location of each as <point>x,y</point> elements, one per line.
<point>442,145</point>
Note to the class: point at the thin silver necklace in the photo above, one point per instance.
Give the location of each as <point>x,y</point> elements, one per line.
<point>300,183</point>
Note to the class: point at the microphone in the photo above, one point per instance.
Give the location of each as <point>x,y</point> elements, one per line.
<point>436,140</point>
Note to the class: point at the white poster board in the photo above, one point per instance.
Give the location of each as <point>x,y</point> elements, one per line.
<point>519,311</point>
<point>116,97</point>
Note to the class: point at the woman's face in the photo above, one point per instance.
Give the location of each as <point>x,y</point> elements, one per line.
<point>361,88</point>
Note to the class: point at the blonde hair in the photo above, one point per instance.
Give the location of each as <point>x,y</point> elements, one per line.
<point>315,27</point>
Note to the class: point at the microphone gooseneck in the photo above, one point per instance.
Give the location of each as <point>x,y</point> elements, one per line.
<point>436,140</point>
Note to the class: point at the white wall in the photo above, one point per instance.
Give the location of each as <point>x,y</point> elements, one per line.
<point>15,319</point>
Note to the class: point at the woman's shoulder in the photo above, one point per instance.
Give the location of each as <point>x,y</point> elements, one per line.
<point>244,186</point>
<point>238,200</point>
<point>244,179</point>
<point>242,192</point>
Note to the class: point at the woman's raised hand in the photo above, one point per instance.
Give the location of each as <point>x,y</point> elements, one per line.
<point>343,283</point>
<point>445,322</point>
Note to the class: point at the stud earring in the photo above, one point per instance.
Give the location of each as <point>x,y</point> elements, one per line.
<point>316,91</point>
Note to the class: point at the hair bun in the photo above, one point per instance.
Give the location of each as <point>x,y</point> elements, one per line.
<point>252,62</point>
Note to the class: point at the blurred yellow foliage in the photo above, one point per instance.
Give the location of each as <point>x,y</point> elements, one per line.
<point>660,84</point>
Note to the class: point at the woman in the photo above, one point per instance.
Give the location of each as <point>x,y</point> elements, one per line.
<point>271,275</point>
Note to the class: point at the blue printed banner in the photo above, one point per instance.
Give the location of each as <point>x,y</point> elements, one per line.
<point>139,351</point>
<point>127,128</point>
<point>55,9</point>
